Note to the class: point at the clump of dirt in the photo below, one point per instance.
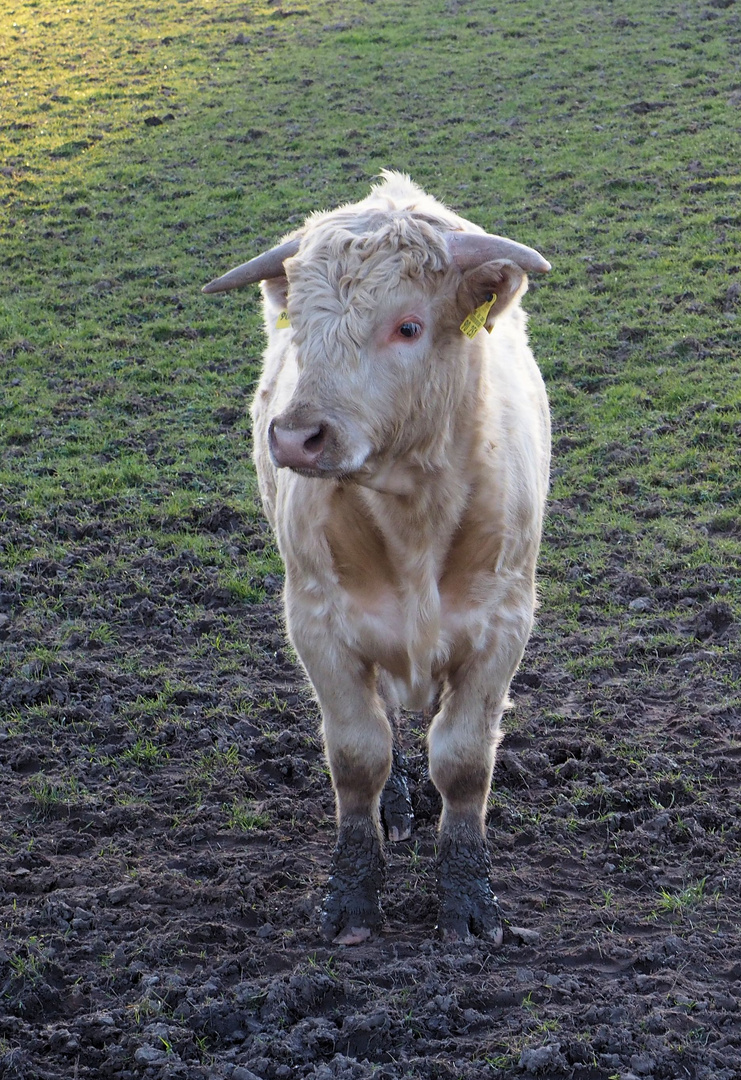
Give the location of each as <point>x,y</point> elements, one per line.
<point>167,828</point>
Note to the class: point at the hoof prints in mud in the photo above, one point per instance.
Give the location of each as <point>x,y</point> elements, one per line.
<point>168,829</point>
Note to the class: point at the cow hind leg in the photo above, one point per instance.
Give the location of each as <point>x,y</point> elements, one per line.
<point>397,814</point>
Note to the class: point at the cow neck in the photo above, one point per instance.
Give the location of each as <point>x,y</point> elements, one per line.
<point>423,520</point>
<point>417,532</point>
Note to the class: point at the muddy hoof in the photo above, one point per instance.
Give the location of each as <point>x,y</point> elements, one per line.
<point>352,935</point>
<point>473,917</point>
<point>349,918</point>
<point>396,805</point>
<point>468,906</point>
<point>352,909</point>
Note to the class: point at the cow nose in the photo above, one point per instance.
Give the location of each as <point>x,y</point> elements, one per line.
<point>297,448</point>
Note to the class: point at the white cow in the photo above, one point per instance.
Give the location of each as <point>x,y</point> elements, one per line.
<point>402,455</point>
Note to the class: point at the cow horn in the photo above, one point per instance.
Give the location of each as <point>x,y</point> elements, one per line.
<point>470,250</point>
<point>267,265</point>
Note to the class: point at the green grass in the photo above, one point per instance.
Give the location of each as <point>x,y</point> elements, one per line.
<point>243,817</point>
<point>609,139</point>
<point>682,902</point>
<point>145,754</point>
<point>49,797</point>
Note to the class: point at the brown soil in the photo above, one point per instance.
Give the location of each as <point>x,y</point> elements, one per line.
<point>149,932</point>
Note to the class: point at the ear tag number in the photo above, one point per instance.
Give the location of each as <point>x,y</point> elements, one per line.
<point>473,322</point>
<point>282,322</point>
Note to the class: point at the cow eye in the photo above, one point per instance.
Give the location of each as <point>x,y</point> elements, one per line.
<point>410,329</point>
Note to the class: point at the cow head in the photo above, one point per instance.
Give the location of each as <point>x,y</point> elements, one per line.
<point>375,294</point>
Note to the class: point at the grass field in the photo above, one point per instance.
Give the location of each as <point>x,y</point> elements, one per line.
<point>146,148</point>
<point>609,142</point>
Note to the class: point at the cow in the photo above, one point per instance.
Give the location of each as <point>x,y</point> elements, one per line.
<point>402,443</point>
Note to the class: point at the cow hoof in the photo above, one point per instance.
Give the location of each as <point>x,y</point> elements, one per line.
<point>352,910</point>
<point>353,935</point>
<point>394,833</point>
<point>396,805</point>
<point>472,920</point>
<point>349,920</point>
<point>468,907</point>
<point>397,821</point>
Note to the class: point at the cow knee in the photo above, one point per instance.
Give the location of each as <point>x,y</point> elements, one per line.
<point>461,764</point>
<point>463,783</point>
<point>360,765</point>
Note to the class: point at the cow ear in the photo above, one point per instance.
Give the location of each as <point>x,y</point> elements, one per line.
<point>501,278</point>
<point>275,287</point>
<point>275,291</point>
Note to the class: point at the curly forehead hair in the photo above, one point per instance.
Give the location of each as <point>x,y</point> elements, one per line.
<point>361,257</point>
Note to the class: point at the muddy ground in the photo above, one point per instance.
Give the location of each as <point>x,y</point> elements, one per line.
<point>167,824</point>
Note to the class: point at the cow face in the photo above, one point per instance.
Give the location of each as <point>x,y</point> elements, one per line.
<point>376,343</point>
<point>374,361</point>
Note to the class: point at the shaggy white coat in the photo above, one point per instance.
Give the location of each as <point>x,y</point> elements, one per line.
<point>410,562</point>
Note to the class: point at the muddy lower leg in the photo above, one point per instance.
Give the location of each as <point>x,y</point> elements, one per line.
<point>461,764</point>
<point>467,903</point>
<point>352,907</point>
<point>358,741</point>
<point>396,805</point>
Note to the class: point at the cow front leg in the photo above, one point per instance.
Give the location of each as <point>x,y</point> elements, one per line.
<point>351,909</point>
<point>461,770</point>
<point>358,743</point>
<point>462,745</point>
<point>468,906</point>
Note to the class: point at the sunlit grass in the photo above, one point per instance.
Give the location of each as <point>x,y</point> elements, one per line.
<point>145,151</point>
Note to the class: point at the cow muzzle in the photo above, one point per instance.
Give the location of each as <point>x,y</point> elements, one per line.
<point>299,448</point>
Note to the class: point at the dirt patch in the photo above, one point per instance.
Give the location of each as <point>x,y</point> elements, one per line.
<point>167,826</point>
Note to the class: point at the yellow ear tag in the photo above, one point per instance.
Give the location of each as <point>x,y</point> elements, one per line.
<point>282,322</point>
<point>473,322</point>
